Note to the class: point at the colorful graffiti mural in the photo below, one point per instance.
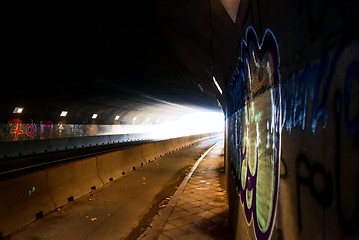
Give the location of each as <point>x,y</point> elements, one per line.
<point>255,128</point>
<point>318,102</point>
<point>16,130</point>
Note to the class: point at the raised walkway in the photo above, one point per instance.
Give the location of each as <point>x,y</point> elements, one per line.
<point>199,207</point>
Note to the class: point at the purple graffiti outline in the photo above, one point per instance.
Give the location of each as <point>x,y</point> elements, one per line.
<point>266,46</point>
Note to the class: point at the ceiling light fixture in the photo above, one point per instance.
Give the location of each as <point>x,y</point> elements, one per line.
<point>18,110</point>
<point>63,114</point>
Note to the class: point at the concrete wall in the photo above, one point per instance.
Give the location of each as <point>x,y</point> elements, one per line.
<point>292,121</point>
<point>28,197</point>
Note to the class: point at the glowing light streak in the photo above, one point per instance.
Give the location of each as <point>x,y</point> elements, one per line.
<point>217,85</point>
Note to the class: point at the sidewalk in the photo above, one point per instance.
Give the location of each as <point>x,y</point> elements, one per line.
<point>199,207</point>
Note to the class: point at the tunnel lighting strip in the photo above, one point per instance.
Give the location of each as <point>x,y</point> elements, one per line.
<point>217,85</point>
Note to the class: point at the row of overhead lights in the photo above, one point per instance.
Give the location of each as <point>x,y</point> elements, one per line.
<point>63,113</point>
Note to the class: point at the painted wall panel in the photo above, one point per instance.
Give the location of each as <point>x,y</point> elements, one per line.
<point>292,131</point>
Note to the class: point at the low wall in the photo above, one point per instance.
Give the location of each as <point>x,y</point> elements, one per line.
<point>28,197</point>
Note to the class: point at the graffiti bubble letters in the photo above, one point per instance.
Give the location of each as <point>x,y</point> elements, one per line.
<point>15,125</point>
<point>255,127</point>
<point>46,129</point>
<point>31,130</point>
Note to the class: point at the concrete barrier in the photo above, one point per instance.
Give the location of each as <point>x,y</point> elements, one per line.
<point>24,199</point>
<point>72,180</point>
<point>152,151</point>
<point>133,159</point>
<point>113,165</point>
<point>28,197</point>
<point>110,165</point>
<point>168,146</point>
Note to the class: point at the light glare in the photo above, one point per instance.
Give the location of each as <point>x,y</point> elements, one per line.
<point>185,125</point>
<point>193,123</point>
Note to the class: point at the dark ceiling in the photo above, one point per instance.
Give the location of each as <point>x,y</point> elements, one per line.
<point>119,58</point>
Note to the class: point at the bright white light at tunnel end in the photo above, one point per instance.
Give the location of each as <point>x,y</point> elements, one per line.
<point>191,124</point>
<point>176,121</point>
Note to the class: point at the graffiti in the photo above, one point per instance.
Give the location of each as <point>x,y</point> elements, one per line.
<point>15,128</point>
<point>61,128</point>
<point>352,74</point>
<point>45,128</point>
<point>255,128</point>
<point>321,190</point>
<point>32,190</point>
<point>260,106</point>
<point>338,75</point>
<point>30,129</point>
<point>350,225</point>
<point>303,87</point>
<point>19,131</point>
<point>313,85</point>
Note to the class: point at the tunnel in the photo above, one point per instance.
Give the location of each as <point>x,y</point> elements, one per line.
<point>277,80</point>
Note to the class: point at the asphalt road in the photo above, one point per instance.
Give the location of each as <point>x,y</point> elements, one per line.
<point>122,209</point>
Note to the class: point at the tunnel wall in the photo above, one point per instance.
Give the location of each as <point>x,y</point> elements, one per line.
<point>292,121</point>
<point>30,196</point>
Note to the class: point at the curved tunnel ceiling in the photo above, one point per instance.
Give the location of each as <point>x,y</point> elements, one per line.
<point>157,57</point>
